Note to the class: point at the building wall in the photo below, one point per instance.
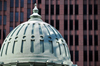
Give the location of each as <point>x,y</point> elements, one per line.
<point>79,26</point>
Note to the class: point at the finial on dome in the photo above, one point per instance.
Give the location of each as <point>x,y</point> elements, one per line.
<point>35,12</point>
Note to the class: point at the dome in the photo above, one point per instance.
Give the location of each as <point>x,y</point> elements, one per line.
<point>35,41</point>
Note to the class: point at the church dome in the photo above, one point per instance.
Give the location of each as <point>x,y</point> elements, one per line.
<point>35,41</point>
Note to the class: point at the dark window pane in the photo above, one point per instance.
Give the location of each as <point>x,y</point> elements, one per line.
<point>76,24</point>
<point>57,24</point>
<point>96,40</point>
<point>84,24</point>
<point>96,55</point>
<point>71,52</point>
<point>57,9</point>
<point>76,55</point>
<point>52,22</point>
<point>90,24</point>
<point>65,9</point>
<point>4,34</point>
<point>17,3</point>
<point>95,9</point>
<point>0,5</point>
<point>90,40</point>
<point>76,9</point>
<point>28,1</point>
<point>11,28</point>
<point>4,20</point>
<point>28,12</point>
<point>76,40</point>
<point>16,16</point>
<point>21,16</point>
<point>85,40</point>
<point>85,55</point>
<point>22,3</point>
<point>39,11</point>
<point>11,16</point>
<point>0,46</point>
<point>39,1</point>
<point>34,1</point>
<point>46,9</point>
<point>84,9</point>
<point>95,24</point>
<point>90,56</point>
<point>90,9</point>
<point>71,24</point>
<point>71,9</point>
<point>65,25</point>
<point>5,5</point>
<point>52,9</point>
<point>46,21</point>
<point>71,39</point>
<point>11,3</point>
<point>0,33</point>
<point>65,37</point>
<point>0,19</point>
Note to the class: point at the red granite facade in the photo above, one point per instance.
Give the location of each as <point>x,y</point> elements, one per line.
<point>77,20</point>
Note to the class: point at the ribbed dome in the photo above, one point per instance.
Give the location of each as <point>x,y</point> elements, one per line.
<point>35,41</point>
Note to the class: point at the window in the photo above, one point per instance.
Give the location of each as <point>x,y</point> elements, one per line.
<point>96,55</point>
<point>11,16</point>
<point>65,9</point>
<point>28,1</point>
<point>57,24</point>
<point>46,9</point>
<point>76,24</point>
<point>39,11</point>
<point>52,9</point>
<point>4,34</point>
<point>4,20</point>
<point>85,40</point>
<point>0,19</point>
<point>76,40</point>
<point>90,9</point>
<point>95,40</point>
<point>0,33</point>
<point>85,55</point>
<point>71,52</point>
<point>39,1</point>
<point>71,24</point>
<point>90,56</point>
<point>84,24</point>
<point>5,5</point>
<point>95,9</point>
<point>11,3</point>
<point>71,39</point>
<point>0,5</point>
<point>46,21</point>
<point>21,16</point>
<point>90,40</point>
<point>65,25</point>
<point>0,46</point>
<point>76,9</point>
<point>57,9</point>
<point>22,3</point>
<point>52,22</point>
<point>28,12</point>
<point>17,3</point>
<point>71,9</point>
<point>16,16</point>
<point>95,24</point>
<point>65,37</point>
<point>84,9</point>
<point>90,24</point>
<point>76,55</point>
<point>34,1</point>
<point>11,28</point>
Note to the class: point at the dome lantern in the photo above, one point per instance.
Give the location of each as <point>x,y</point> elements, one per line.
<point>35,43</point>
